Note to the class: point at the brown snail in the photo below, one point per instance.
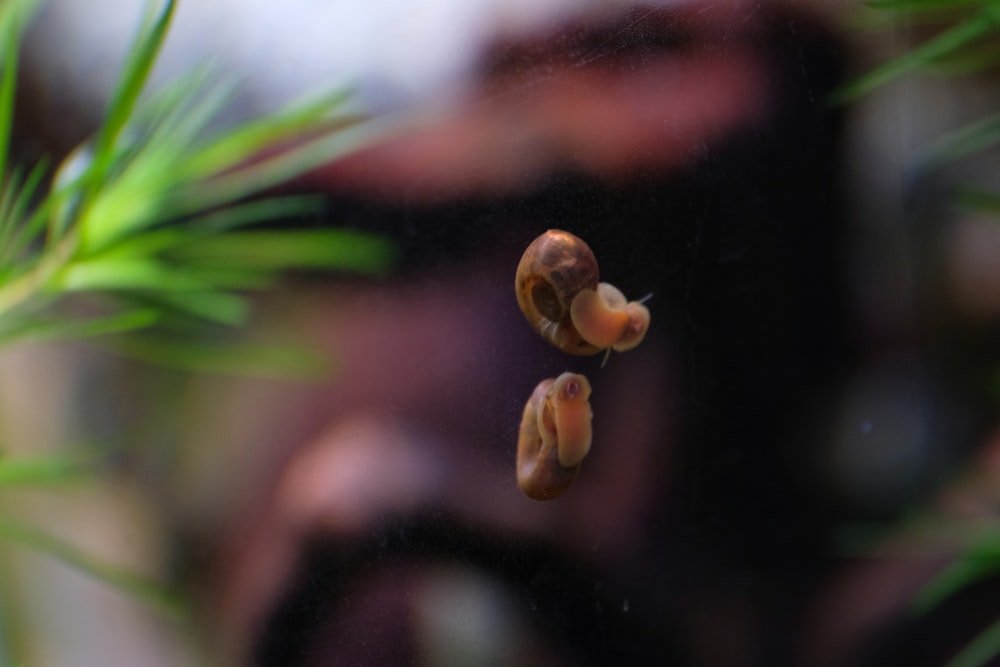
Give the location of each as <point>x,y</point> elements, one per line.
<point>554,437</point>
<point>559,291</point>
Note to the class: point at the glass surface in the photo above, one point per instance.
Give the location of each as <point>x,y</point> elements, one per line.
<point>796,447</point>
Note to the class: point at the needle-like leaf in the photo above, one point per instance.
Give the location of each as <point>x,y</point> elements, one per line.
<point>144,588</point>
<point>138,64</point>
<point>920,5</point>
<point>935,48</point>
<point>74,329</point>
<point>43,471</point>
<point>237,359</point>
<point>14,15</point>
<point>980,650</point>
<point>973,138</point>
<point>269,250</point>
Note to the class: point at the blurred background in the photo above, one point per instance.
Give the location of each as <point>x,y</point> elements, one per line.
<point>793,452</point>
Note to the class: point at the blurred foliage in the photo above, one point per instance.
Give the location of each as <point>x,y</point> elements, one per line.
<point>962,41</point>
<point>962,38</point>
<point>149,236</point>
<point>980,558</point>
<point>154,216</point>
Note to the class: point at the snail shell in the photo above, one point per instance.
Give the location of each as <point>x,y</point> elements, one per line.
<point>552,271</point>
<point>558,290</point>
<point>554,437</point>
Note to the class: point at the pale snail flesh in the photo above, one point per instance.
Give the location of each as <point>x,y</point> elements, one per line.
<point>555,436</point>
<point>559,291</point>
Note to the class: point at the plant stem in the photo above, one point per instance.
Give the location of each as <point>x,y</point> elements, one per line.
<point>27,285</point>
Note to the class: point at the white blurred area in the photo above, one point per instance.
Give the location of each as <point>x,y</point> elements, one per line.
<point>390,52</point>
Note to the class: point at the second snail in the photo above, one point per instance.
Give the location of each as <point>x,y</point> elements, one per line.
<point>554,437</point>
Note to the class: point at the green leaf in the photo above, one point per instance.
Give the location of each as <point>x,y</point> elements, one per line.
<point>44,471</point>
<point>135,200</point>
<point>240,144</point>
<point>69,182</point>
<point>217,223</point>
<point>105,151</point>
<point>68,329</point>
<point>253,212</point>
<point>972,138</point>
<point>12,230</point>
<point>980,559</point>
<point>166,105</point>
<point>141,587</point>
<point>138,63</point>
<point>981,201</point>
<point>270,250</point>
<point>14,16</point>
<point>937,47</point>
<point>179,114</point>
<point>980,650</point>
<point>157,241</point>
<point>147,245</point>
<point>233,277</point>
<point>239,359</point>
<point>918,5</point>
<point>218,306</point>
<point>285,163</point>
<point>9,188</point>
<point>953,578</point>
<point>7,97</point>
<point>972,60</point>
<point>110,273</point>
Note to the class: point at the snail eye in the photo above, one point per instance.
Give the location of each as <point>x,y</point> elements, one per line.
<point>572,389</point>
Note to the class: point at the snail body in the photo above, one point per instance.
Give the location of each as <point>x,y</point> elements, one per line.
<point>559,291</point>
<point>554,437</point>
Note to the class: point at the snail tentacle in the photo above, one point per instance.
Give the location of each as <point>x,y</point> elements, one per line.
<point>638,324</point>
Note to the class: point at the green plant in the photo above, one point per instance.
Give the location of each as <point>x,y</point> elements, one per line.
<point>963,39</point>
<point>980,558</point>
<point>147,236</point>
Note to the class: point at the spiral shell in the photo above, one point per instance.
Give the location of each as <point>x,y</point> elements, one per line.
<point>554,268</point>
<point>554,437</point>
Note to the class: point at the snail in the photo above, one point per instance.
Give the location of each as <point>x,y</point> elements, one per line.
<point>554,437</point>
<point>559,291</point>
